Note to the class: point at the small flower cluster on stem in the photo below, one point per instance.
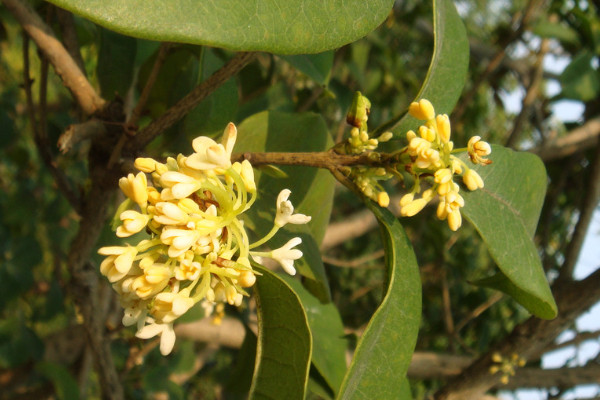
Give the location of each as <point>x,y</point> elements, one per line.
<point>506,365</point>
<point>196,248</point>
<point>430,153</point>
<point>428,158</point>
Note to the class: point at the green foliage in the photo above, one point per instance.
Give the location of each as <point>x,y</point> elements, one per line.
<point>505,213</point>
<point>289,103</point>
<point>385,349</point>
<point>312,190</point>
<point>448,68</point>
<point>296,27</point>
<point>284,341</point>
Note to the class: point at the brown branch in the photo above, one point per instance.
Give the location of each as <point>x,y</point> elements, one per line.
<point>586,212</point>
<point>39,129</point>
<point>497,296</point>
<point>496,61</point>
<point>354,226</point>
<point>579,139</point>
<point>57,55</point>
<point>139,108</point>
<point>531,95</point>
<point>580,338</point>
<point>69,37</point>
<point>323,159</point>
<point>191,100</point>
<point>77,133</point>
<point>527,339</point>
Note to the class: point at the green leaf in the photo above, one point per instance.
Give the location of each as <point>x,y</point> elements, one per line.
<point>329,342</point>
<point>505,213</point>
<point>115,50</point>
<point>240,378</point>
<point>447,71</point>
<point>218,109</point>
<point>316,66</point>
<point>65,385</point>
<point>385,349</point>
<point>312,189</point>
<point>580,80</point>
<point>284,341</point>
<point>290,27</point>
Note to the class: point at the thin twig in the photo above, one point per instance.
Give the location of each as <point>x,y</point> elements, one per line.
<point>532,94</point>
<point>588,206</point>
<point>497,296</point>
<point>61,60</point>
<point>139,108</point>
<point>130,125</point>
<point>190,101</point>
<point>580,338</point>
<point>496,61</point>
<point>39,129</point>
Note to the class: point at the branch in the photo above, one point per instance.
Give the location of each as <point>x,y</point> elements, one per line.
<point>586,212</point>
<point>532,94</point>
<point>354,226</point>
<point>77,133</point>
<point>191,100</point>
<point>323,159</point>
<point>579,139</point>
<point>496,61</point>
<point>39,130</point>
<point>527,339</point>
<point>86,286</point>
<point>57,55</point>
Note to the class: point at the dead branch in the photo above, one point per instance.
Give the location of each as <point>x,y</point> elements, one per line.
<point>57,55</point>
<point>77,133</point>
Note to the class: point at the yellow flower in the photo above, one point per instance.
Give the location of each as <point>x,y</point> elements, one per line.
<point>135,187</point>
<point>133,222</point>
<point>478,149</point>
<point>422,110</point>
<point>472,180</point>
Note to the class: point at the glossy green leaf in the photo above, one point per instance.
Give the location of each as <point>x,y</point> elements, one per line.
<point>312,189</point>
<point>214,113</point>
<point>240,378</point>
<point>329,342</point>
<point>385,349</point>
<point>448,68</point>
<point>115,50</point>
<point>290,27</point>
<point>284,341</point>
<point>316,66</point>
<point>505,213</point>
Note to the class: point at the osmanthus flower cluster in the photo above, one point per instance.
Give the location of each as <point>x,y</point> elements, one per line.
<point>428,158</point>
<point>431,154</point>
<point>196,248</point>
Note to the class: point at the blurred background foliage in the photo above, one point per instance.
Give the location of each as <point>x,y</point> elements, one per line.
<point>512,94</point>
